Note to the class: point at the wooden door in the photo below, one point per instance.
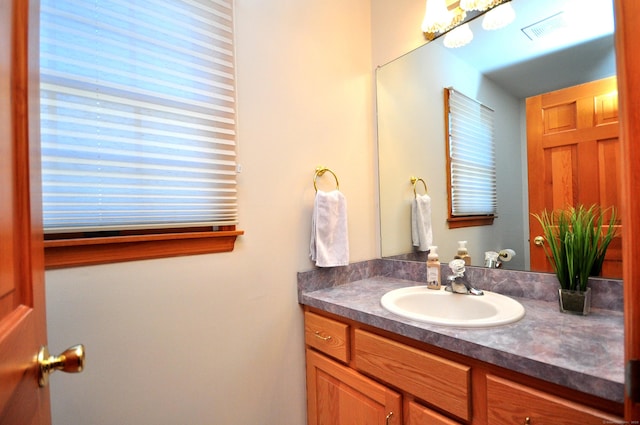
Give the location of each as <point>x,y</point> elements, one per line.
<point>337,395</point>
<point>628,69</point>
<point>22,314</point>
<point>573,153</point>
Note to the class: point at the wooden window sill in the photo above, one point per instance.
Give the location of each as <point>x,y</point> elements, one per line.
<point>458,222</point>
<point>71,252</point>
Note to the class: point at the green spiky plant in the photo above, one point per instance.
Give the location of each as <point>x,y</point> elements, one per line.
<point>577,242</point>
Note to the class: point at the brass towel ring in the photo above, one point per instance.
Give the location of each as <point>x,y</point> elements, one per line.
<point>414,181</point>
<point>319,172</point>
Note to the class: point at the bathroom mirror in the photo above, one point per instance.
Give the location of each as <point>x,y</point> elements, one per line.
<point>500,68</point>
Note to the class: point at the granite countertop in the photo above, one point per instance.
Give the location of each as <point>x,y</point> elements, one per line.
<point>585,353</point>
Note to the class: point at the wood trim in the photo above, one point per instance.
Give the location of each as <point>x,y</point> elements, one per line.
<point>457,222</point>
<point>102,250</point>
<point>628,70</point>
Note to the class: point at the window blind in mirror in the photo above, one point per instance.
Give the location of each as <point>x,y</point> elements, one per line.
<point>472,156</point>
<point>137,114</point>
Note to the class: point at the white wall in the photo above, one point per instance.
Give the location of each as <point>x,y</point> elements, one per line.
<point>395,28</point>
<point>218,339</point>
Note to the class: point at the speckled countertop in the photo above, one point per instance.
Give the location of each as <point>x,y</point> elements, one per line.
<point>585,353</point>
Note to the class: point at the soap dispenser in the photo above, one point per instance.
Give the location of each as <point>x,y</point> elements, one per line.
<point>433,269</point>
<point>463,254</point>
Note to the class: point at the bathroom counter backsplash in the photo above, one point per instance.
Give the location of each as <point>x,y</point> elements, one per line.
<point>545,344</point>
<point>605,293</point>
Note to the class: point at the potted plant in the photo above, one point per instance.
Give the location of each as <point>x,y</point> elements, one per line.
<point>577,239</point>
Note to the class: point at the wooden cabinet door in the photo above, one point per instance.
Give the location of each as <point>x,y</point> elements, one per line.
<point>22,314</point>
<point>337,395</point>
<point>573,156</point>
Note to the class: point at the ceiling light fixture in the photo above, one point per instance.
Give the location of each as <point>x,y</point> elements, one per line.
<point>498,17</point>
<point>470,5</point>
<point>439,19</point>
<point>458,37</point>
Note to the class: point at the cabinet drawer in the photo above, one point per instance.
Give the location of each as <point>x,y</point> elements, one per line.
<point>509,402</point>
<point>436,380</point>
<point>420,415</point>
<point>327,335</point>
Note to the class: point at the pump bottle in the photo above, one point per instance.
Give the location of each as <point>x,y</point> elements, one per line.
<point>433,269</point>
<point>463,253</point>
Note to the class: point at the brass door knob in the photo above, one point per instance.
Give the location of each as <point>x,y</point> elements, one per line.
<point>70,361</point>
<point>538,240</point>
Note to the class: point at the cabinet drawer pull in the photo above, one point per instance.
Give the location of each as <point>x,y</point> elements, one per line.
<point>388,418</point>
<point>527,421</point>
<point>324,338</point>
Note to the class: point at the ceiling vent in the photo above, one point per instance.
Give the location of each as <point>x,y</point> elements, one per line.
<point>545,27</point>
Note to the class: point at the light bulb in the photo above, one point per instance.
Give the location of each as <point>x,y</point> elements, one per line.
<point>470,5</point>
<point>436,17</point>
<point>458,37</point>
<point>499,17</point>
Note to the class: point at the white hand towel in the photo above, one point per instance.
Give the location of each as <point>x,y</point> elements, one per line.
<point>421,233</point>
<point>329,245</point>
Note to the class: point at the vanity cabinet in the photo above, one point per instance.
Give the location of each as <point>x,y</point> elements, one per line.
<point>359,374</point>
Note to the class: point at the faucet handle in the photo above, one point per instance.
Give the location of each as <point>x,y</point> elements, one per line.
<point>457,266</point>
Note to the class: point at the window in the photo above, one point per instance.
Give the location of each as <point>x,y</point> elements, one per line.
<point>137,129</point>
<point>471,161</point>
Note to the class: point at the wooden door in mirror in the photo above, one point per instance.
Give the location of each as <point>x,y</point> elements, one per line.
<point>574,151</point>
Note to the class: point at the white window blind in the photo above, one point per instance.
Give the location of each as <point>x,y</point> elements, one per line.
<point>137,114</point>
<point>472,156</point>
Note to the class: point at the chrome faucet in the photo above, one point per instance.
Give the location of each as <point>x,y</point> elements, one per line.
<point>458,282</point>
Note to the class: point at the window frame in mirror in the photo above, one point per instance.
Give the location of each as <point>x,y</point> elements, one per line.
<point>459,221</point>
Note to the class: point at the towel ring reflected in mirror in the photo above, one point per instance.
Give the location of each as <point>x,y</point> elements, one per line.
<point>319,172</point>
<point>414,181</point>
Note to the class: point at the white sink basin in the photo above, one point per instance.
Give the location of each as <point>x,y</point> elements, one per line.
<point>441,307</point>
